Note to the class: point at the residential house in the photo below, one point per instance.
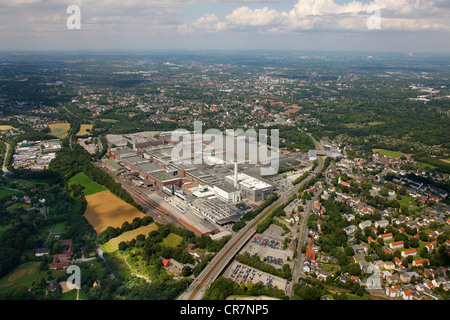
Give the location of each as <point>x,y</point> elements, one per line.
<point>398,262</point>
<point>41,252</point>
<point>360,249</point>
<point>358,257</point>
<point>420,263</point>
<point>381,223</point>
<point>396,245</point>
<point>388,265</point>
<point>410,252</point>
<point>394,291</point>
<point>323,275</point>
<point>431,246</point>
<point>350,229</point>
<point>392,279</point>
<point>386,236</point>
<point>407,294</point>
<point>364,224</point>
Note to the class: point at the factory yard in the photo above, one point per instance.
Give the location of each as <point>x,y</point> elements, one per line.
<point>35,155</point>
<point>270,250</point>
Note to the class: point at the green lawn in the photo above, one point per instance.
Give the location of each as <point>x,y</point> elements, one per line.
<point>7,193</point>
<point>25,275</point>
<point>423,165</point>
<point>172,240</point>
<point>406,201</point>
<point>90,187</point>
<point>59,228</point>
<point>391,154</point>
<point>69,295</point>
<point>18,205</point>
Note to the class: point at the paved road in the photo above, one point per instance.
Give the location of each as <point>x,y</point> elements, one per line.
<point>297,271</point>
<point>197,288</point>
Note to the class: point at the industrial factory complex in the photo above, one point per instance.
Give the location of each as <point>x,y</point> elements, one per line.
<point>216,191</point>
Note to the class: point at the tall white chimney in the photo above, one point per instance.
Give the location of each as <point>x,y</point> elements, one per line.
<point>236,175</point>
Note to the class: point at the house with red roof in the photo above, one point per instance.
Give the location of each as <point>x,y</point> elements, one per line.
<point>407,295</point>
<point>410,252</point>
<point>431,245</point>
<point>394,291</point>
<point>398,262</point>
<point>396,245</point>
<point>420,263</point>
<point>386,236</point>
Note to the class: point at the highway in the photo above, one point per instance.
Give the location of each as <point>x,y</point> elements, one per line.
<point>198,287</point>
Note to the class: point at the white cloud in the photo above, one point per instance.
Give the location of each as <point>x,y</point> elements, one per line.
<point>122,19</point>
<point>328,15</point>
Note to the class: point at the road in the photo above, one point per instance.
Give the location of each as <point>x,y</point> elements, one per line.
<point>297,271</point>
<point>198,287</point>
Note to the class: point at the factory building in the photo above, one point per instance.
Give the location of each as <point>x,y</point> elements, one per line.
<point>250,187</point>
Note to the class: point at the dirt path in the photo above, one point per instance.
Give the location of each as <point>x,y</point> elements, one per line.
<point>134,273</point>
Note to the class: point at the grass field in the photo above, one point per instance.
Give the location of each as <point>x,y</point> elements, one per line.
<point>90,187</point>
<point>59,228</point>
<point>423,165</point>
<point>5,127</point>
<point>7,193</point>
<point>83,129</point>
<point>172,240</point>
<point>24,276</point>
<point>59,130</point>
<point>104,209</point>
<point>18,205</point>
<point>391,154</point>
<point>113,244</point>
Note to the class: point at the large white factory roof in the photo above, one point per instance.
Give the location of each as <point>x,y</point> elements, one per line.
<point>250,182</point>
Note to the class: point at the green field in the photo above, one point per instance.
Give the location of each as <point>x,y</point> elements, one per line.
<point>90,187</point>
<point>7,193</point>
<point>406,201</point>
<point>423,165</point>
<point>172,240</point>
<point>59,228</point>
<point>389,153</point>
<point>59,130</point>
<point>18,205</point>
<point>25,275</point>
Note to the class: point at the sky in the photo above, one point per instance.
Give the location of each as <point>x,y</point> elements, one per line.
<point>127,25</point>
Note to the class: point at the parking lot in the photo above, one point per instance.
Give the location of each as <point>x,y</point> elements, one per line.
<point>241,273</point>
<point>268,249</point>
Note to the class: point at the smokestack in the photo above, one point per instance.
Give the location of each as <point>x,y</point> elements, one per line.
<point>236,175</point>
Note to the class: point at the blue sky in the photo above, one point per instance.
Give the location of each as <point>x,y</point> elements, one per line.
<point>404,25</point>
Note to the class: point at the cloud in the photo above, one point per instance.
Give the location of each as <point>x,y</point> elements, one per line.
<point>328,15</point>
<point>192,19</point>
